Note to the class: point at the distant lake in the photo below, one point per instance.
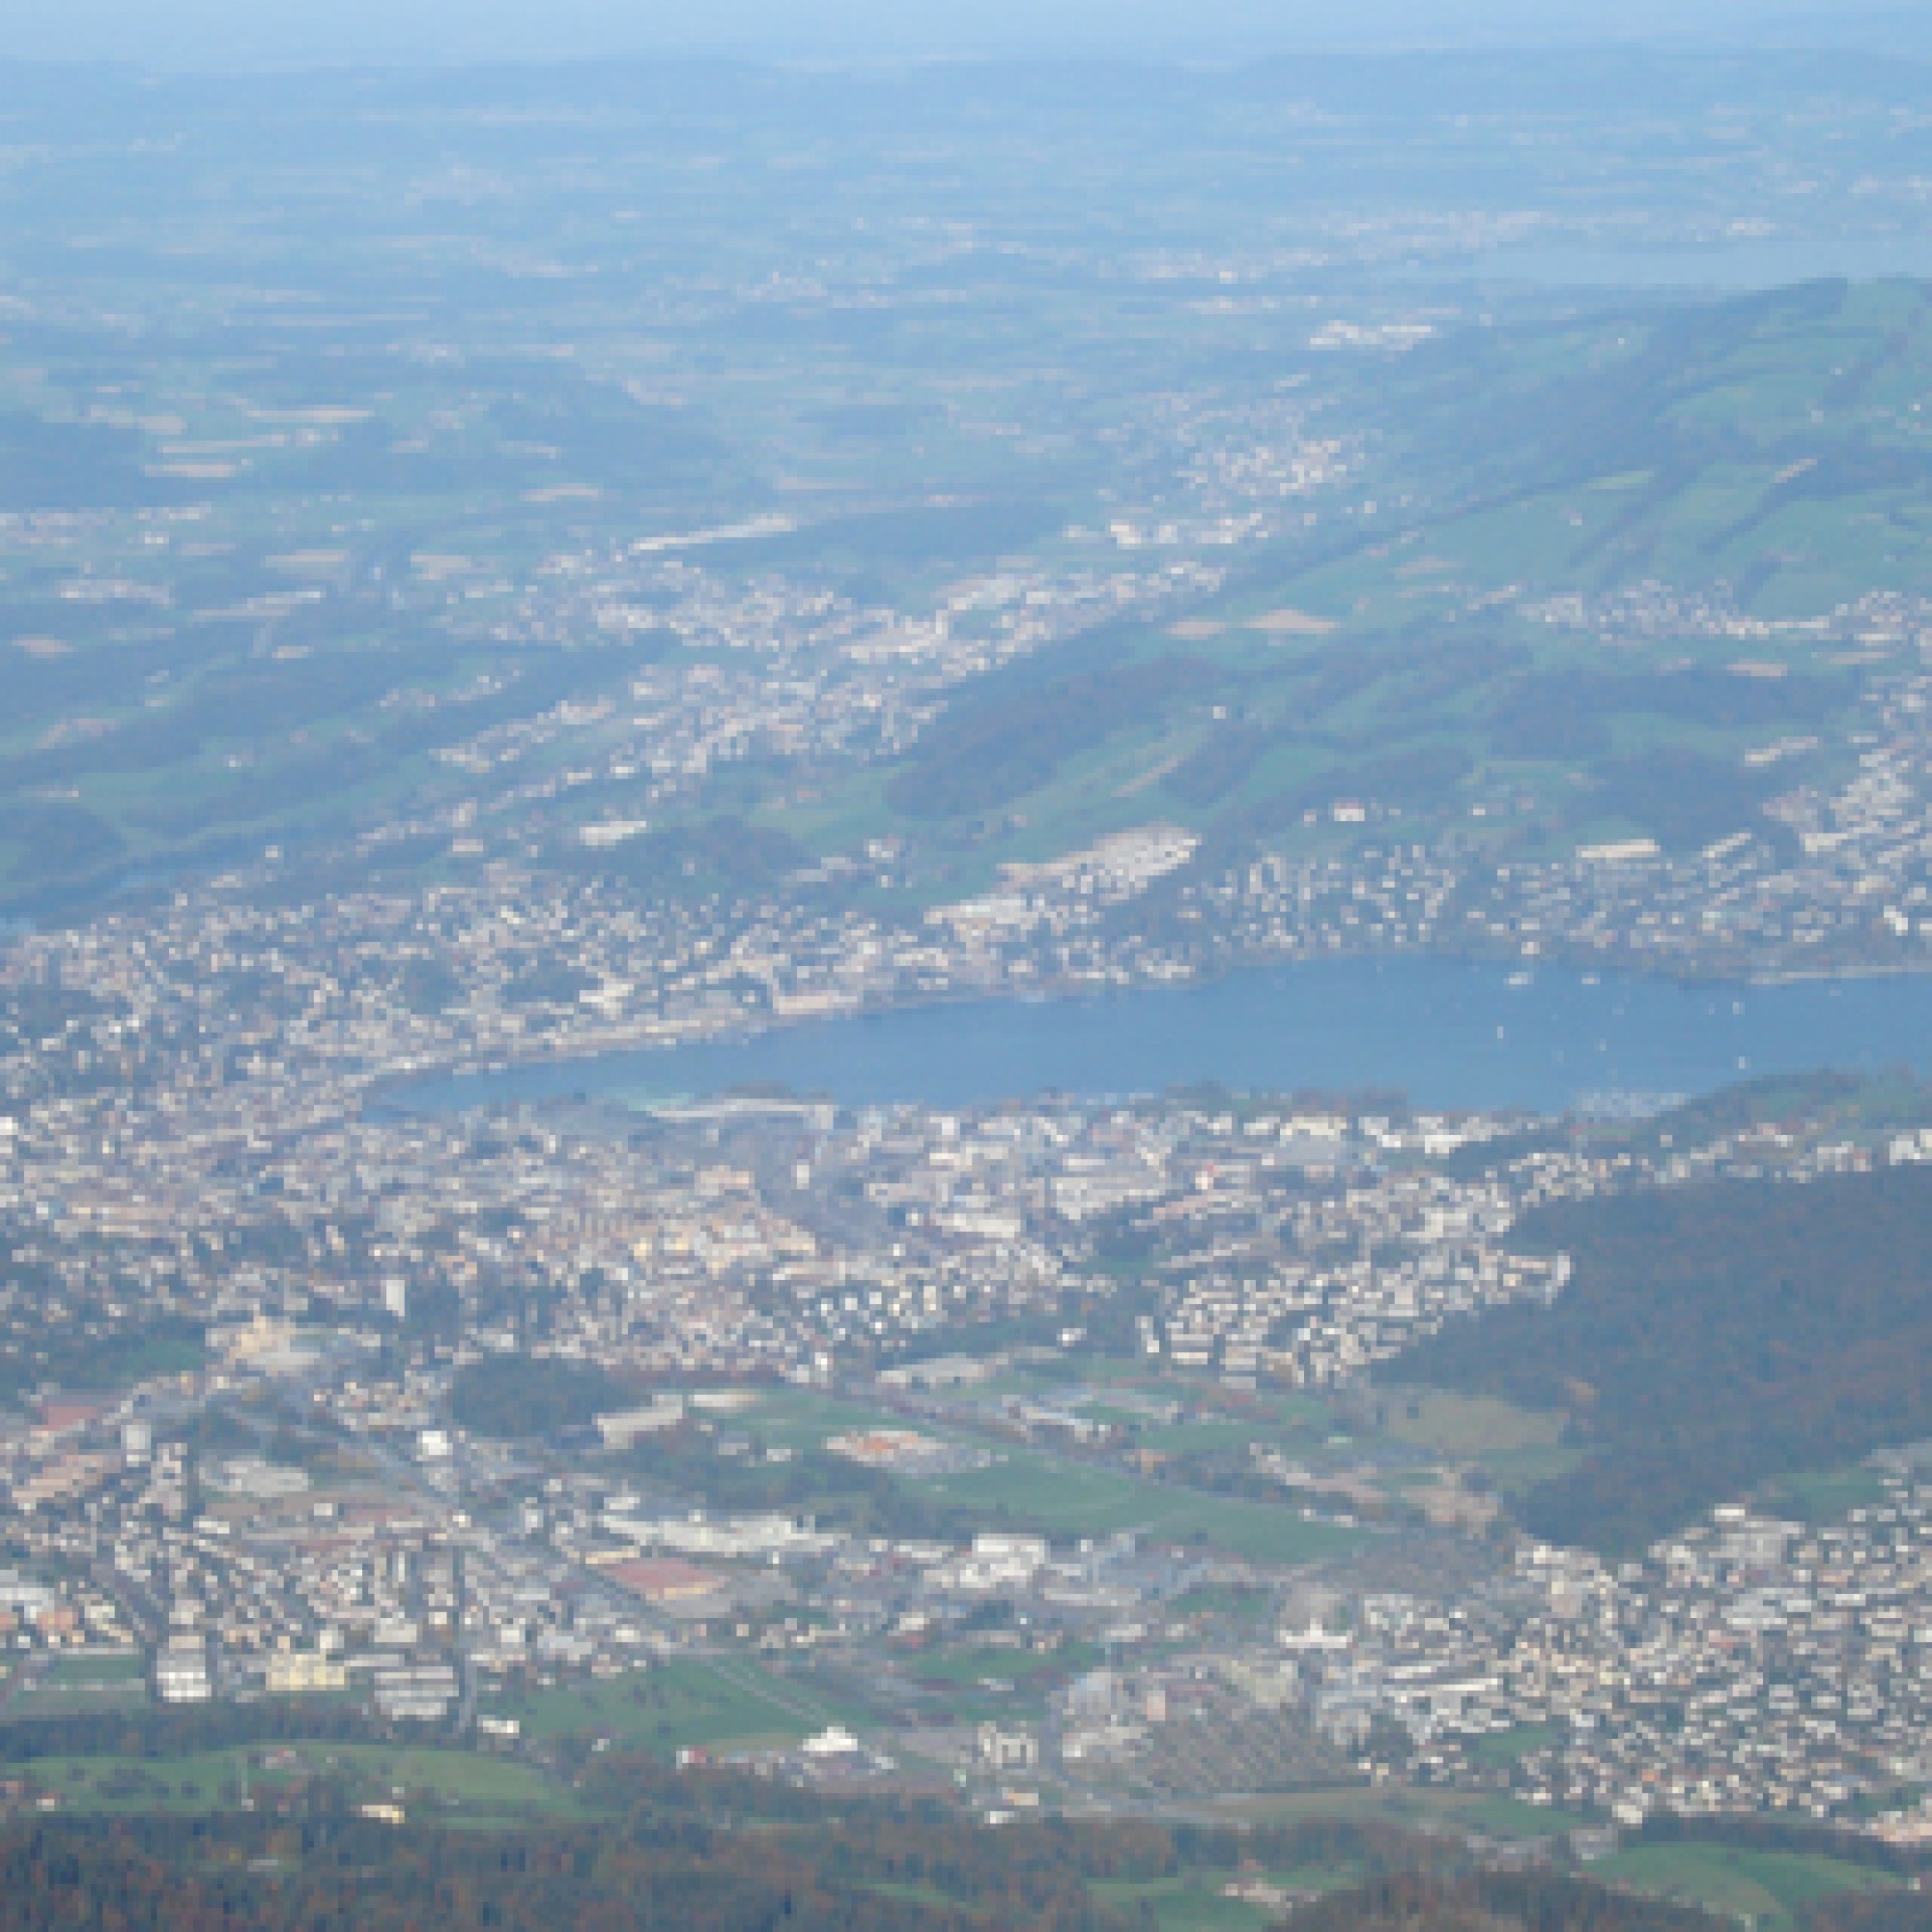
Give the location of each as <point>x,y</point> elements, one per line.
<point>1449,1033</point>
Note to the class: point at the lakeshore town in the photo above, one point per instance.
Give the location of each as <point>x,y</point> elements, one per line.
<point>1154,1519</point>
<point>1031,1451</point>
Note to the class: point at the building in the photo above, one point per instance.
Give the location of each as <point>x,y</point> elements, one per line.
<point>182,1674</point>
<point>1001,1749</point>
<point>296,1673</point>
<point>421,1693</point>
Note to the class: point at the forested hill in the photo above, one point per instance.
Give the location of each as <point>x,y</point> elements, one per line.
<point>1713,1336</point>
<point>714,1852</point>
<point>1493,1901</point>
<point>740,1860</point>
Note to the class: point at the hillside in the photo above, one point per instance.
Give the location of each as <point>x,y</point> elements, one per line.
<point>728,1856</point>
<point>1713,1337</point>
<point>1591,615</point>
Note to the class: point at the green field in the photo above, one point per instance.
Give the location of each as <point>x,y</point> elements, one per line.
<point>683,1703</point>
<point>1824,1495</point>
<point>796,1418</point>
<point>721,1705</point>
<point>1183,1438</point>
<point>1501,1748</point>
<point>1033,1491</point>
<point>74,1686</point>
<point>1190,1903</point>
<point>1515,1446</point>
<point>1769,1888</point>
<point>1064,1499</point>
<point>971,1663</point>
<point>470,1783</point>
<point>77,1672</point>
<point>1193,1901</point>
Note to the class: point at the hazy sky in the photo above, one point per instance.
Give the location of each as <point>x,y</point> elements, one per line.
<point>247,33</point>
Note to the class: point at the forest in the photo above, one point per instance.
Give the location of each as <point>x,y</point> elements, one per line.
<point>720,1852</point>
<point>1493,1901</point>
<point>711,1851</point>
<point>521,1398</point>
<point>1713,1337</point>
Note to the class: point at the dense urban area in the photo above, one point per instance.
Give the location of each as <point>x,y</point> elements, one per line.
<point>1068,1409</point>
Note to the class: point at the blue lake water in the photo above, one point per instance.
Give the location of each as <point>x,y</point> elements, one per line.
<point>1448,1033</point>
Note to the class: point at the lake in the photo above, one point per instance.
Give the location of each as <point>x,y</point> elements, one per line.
<point>1449,1033</point>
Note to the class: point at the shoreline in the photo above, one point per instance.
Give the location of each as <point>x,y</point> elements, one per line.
<point>382,1093</point>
